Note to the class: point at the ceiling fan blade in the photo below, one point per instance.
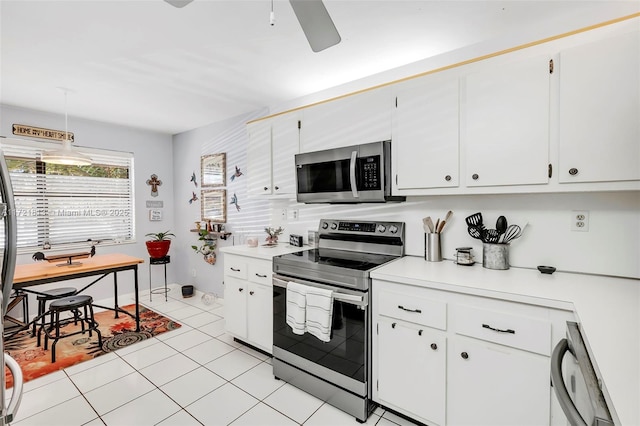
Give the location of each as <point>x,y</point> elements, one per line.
<point>316,23</point>
<point>178,3</point>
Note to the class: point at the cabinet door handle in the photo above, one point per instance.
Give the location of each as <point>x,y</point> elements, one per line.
<point>475,176</point>
<point>417,311</point>
<point>434,346</point>
<point>393,325</point>
<point>508,330</point>
<point>251,293</point>
<point>265,188</point>
<point>419,332</point>
<point>464,355</point>
<point>241,290</point>
<point>235,270</point>
<point>260,276</point>
<point>277,187</point>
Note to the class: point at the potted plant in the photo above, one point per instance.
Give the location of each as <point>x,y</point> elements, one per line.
<point>158,246</point>
<point>207,248</point>
<point>272,234</point>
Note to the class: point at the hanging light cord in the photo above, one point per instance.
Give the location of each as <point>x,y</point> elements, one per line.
<point>66,113</point>
<point>272,16</point>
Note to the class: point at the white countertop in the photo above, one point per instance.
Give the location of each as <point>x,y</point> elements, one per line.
<point>262,251</point>
<point>607,308</point>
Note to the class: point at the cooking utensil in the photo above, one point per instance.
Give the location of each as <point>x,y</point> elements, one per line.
<point>512,232</point>
<point>475,220</point>
<point>501,225</point>
<point>428,224</point>
<point>474,232</point>
<point>446,219</point>
<point>437,225</point>
<point>490,236</point>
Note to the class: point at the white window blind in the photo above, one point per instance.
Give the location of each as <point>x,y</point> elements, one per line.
<point>70,204</point>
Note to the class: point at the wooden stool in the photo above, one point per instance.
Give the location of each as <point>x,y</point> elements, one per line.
<point>69,304</point>
<point>44,297</point>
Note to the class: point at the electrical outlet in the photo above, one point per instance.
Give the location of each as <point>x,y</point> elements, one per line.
<point>283,215</point>
<point>293,214</point>
<point>580,220</point>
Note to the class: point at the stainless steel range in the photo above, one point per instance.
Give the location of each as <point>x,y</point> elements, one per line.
<point>336,369</point>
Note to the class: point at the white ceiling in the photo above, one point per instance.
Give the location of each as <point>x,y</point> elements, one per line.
<point>149,65</point>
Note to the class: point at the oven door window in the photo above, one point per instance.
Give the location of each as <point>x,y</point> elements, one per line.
<point>344,353</point>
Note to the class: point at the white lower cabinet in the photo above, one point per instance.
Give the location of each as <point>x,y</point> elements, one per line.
<point>450,358</point>
<point>248,300</point>
<point>489,384</point>
<point>412,369</point>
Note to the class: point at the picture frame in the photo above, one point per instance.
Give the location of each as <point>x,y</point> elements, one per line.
<point>213,170</point>
<point>213,204</point>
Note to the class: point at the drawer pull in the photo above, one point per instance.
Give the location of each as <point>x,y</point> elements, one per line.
<point>235,270</point>
<point>260,276</point>
<point>434,346</point>
<point>417,311</point>
<point>499,330</point>
<point>241,290</point>
<point>464,355</point>
<point>393,325</point>
<point>251,292</point>
<point>419,332</point>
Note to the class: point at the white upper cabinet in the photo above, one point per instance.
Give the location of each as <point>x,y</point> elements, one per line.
<point>425,133</point>
<point>273,144</point>
<point>505,123</point>
<point>600,111</point>
<point>351,120</point>
<point>259,158</point>
<point>285,144</point>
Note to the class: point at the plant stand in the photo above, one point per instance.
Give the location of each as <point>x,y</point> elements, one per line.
<point>159,290</point>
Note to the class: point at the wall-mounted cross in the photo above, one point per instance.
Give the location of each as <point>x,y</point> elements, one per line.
<point>154,183</point>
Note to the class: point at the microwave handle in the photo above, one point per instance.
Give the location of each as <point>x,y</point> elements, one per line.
<point>352,174</point>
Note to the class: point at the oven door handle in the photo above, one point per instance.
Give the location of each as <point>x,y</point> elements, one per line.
<point>344,297</point>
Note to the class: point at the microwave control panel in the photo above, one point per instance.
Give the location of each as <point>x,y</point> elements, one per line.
<point>370,174</point>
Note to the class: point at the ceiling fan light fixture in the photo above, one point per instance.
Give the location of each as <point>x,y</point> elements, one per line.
<point>316,24</point>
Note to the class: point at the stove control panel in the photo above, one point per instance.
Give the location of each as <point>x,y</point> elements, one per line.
<point>361,227</point>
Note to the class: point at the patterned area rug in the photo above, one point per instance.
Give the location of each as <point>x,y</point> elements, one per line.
<point>116,333</point>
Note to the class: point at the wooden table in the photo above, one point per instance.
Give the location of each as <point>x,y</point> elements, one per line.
<point>32,274</point>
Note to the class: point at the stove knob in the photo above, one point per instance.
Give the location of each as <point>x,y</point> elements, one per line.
<point>334,225</point>
<point>393,229</point>
<point>381,228</point>
<point>325,225</point>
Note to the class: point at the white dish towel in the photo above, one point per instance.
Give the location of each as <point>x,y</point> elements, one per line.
<point>319,312</point>
<point>296,307</point>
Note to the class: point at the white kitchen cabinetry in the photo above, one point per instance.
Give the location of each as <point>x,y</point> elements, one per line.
<point>600,110</point>
<point>505,123</point>
<point>490,384</point>
<point>425,133</point>
<point>351,120</point>
<point>411,373</point>
<point>450,358</point>
<point>273,144</point>
<point>248,299</point>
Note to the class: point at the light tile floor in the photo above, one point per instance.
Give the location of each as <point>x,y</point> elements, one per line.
<point>196,375</point>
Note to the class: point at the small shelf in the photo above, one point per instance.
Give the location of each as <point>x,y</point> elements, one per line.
<point>213,235</point>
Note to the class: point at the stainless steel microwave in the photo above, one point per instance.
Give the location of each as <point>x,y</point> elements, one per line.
<point>353,174</point>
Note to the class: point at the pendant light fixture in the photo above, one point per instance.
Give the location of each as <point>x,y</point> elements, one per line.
<point>66,155</point>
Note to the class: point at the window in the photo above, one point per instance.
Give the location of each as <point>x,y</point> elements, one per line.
<point>70,204</point>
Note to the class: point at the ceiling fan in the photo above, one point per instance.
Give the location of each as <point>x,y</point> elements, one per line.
<point>314,19</point>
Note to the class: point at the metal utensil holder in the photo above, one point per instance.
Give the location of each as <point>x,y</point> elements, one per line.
<point>495,256</point>
<point>432,250</point>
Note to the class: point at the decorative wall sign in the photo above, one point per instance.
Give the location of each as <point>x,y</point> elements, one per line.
<point>238,173</point>
<point>154,204</point>
<point>234,201</point>
<point>213,170</point>
<point>40,133</point>
<point>154,183</point>
<point>155,215</point>
<point>214,205</point>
